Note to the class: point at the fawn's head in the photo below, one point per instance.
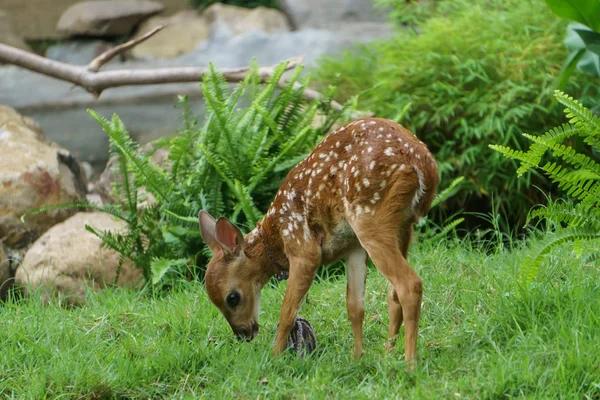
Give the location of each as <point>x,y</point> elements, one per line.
<point>234,277</point>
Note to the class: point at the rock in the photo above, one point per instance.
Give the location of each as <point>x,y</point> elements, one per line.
<point>8,34</point>
<point>79,52</point>
<point>268,49</point>
<point>240,20</point>
<point>5,281</point>
<point>186,30</point>
<point>68,259</point>
<point>182,33</point>
<point>325,14</point>
<point>36,19</point>
<point>106,17</point>
<point>34,173</point>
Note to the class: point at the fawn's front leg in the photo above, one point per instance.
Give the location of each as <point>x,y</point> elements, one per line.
<point>302,272</point>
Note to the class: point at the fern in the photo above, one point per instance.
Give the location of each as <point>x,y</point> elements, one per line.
<point>576,174</point>
<point>438,232</point>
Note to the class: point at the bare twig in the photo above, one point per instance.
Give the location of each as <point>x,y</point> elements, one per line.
<point>98,62</point>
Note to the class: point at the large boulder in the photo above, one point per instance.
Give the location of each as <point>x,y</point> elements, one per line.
<point>330,13</point>
<point>8,34</point>
<point>240,20</point>
<point>67,260</point>
<point>186,30</point>
<point>34,173</point>
<point>181,34</point>
<point>4,273</point>
<point>106,17</point>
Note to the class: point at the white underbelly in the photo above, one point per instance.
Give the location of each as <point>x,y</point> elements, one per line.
<point>341,240</point>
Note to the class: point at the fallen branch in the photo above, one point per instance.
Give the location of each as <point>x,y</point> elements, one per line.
<point>95,82</point>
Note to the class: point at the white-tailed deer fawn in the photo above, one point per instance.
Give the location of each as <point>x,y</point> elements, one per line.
<point>358,193</point>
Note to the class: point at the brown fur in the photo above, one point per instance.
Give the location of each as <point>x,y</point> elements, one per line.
<point>359,192</point>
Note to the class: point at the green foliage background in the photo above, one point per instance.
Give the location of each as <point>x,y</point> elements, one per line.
<point>475,73</point>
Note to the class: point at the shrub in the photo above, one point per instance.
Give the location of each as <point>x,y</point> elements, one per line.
<point>476,74</point>
<point>577,174</point>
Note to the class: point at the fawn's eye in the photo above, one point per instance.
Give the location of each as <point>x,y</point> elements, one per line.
<point>233,299</point>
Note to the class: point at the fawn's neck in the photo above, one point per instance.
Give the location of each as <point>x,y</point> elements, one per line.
<point>267,245</point>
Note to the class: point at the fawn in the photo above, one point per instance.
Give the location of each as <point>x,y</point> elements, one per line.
<point>357,194</point>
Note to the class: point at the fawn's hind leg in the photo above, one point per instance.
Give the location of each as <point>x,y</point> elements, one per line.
<point>394,307</point>
<point>356,271</point>
<point>380,237</point>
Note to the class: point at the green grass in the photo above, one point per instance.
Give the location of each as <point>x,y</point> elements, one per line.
<point>479,339</point>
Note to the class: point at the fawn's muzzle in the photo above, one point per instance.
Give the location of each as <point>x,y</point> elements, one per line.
<point>246,333</point>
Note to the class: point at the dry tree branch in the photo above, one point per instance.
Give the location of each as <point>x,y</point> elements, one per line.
<point>98,62</point>
<point>89,78</point>
<point>96,82</point>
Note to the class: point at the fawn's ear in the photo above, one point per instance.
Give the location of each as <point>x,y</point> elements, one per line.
<point>208,230</point>
<point>229,236</point>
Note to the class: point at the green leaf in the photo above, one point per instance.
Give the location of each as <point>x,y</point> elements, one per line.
<point>589,62</point>
<point>160,266</point>
<point>567,70</point>
<point>586,12</point>
<point>590,39</point>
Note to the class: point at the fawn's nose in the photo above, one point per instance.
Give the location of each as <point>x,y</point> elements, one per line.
<point>246,333</point>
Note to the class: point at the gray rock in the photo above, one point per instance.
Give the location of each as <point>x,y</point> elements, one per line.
<point>106,17</point>
<point>240,20</point>
<point>79,52</point>
<point>182,33</point>
<point>68,259</point>
<point>324,14</point>
<point>225,50</point>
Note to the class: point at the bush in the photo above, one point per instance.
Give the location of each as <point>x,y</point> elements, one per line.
<point>476,74</point>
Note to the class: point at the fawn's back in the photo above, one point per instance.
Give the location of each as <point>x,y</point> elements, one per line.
<point>349,174</point>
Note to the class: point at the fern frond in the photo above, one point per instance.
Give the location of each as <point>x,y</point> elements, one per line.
<point>567,213</point>
<point>448,192</point>
<point>219,165</point>
<point>253,215</point>
<point>449,227</point>
<point>152,176</point>
<point>579,115</point>
<point>592,258</point>
<point>528,161</point>
<point>533,262</point>
<point>255,180</point>
<point>113,210</point>
<point>403,113</point>
<point>568,154</point>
